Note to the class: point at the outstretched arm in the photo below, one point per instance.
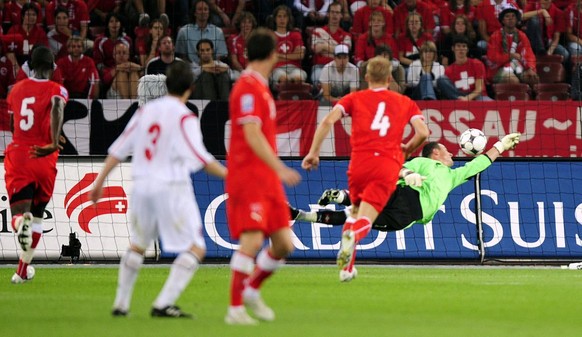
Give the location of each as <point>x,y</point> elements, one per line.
<point>506,143</point>
<point>110,163</point>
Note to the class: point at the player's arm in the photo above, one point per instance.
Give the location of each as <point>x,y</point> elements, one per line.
<point>260,146</point>
<point>57,113</point>
<point>110,163</point>
<point>420,135</point>
<point>508,142</point>
<point>216,169</point>
<point>311,161</point>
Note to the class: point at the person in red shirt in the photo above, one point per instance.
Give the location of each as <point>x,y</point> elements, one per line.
<point>78,15</point>
<point>20,39</point>
<point>376,36</point>
<point>464,79</point>
<point>379,117</point>
<point>36,106</point>
<point>545,25</point>
<point>13,12</point>
<point>60,35</point>
<point>410,41</point>
<point>253,217</point>
<point>451,9</point>
<point>487,13</point>
<point>236,44</point>
<point>80,75</point>
<point>290,48</point>
<point>362,17</point>
<point>509,54</point>
<point>406,7</point>
<point>574,28</point>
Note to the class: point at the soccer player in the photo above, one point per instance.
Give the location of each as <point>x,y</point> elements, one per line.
<point>165,141</point>
<point>424,184</point>
<point>379,117</point>
<point>256,205</point>
<point>36,106</point>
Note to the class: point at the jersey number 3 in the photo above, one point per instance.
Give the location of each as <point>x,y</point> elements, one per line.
<point>381,122</point>
<point>26,114</point>
<point>154,134</point>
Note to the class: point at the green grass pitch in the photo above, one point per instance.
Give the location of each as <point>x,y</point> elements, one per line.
<point>308,300</point>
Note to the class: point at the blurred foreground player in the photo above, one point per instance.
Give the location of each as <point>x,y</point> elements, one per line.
<point>256,206</point>
<point>165,142</point>
<point>424,184</point>
<point>36,107</point>
<point>379,117</point>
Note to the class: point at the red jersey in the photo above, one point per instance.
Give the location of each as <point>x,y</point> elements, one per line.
<point>324,35</point>
<point>365,49</point>
<point>20,42</point>
<point>103,5</point>
<point>464,76</point>
<point>103,49</point>
<point>77,9</point>
<point>401,13</point>
<point>409,47</point>
<point>251,102</point>
<point>13,13</point>
<point>78,76</point>
<point>379,117</point>
<point>447,15</point>
<point>30,103</point>
<point>558,23</point>
<point>236,46</point>
<point>498,53</point>
<point>362,20</point>
<point>573,16</point>
<point>488,11</point>
<point>286,44</point>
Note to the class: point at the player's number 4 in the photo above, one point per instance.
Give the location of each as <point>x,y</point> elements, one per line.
<point>381,122</point>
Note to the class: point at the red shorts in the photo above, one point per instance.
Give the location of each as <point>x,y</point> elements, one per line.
<point>21,171</point>
<point>267,214</point>
<point>372,179</point>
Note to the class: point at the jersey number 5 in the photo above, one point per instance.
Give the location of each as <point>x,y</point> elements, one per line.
<point>26,114</point>
<point>154,134</point>
<point>381,122</point>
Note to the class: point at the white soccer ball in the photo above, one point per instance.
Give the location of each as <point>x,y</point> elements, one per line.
<point>30,271</point>
<point>472,141</point>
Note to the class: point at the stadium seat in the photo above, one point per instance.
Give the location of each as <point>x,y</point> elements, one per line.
<point>551,72</point>
<point>575,60</point>
<point>294,95</point>
<point>552,91</point>
<point>556,58</point>
<point>295,91</point>
<point>511,91</point>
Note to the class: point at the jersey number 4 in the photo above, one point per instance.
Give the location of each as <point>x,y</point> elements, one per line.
<point>381,122</point>
<point>26,114</point>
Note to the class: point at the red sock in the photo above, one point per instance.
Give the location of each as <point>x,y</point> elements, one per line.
<point>361,228</point>
<point>35,239</point>
<point>241,267</point>
<point>21,270</point>
<point>266,266</point>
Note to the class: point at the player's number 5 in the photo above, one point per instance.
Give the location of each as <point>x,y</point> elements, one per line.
<point>27,114</point>
<point>381,122</point>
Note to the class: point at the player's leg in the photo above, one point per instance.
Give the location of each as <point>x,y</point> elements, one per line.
<point>325,216</point>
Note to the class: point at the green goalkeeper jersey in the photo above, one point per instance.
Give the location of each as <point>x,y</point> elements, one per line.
<point>440,181</point>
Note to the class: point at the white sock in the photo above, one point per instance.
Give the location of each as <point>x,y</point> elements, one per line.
<point>129,267</point>
<point>182,271</point>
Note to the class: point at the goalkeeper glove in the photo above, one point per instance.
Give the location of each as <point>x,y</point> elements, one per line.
<point>414,179</point>
<point>332,196</point>
<point>508,142</point>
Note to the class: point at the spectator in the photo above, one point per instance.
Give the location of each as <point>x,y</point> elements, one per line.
<point>20,38</point>
<point>218,16</point>
<point>574,29</point>
<point>362,17</point>
<point>78,16</point>
<point>411,39</point>
<point>212,77</point>
<point>398,82</point>
<point>464,79</point>
<point>450,11</point>
<point>80,76</point>
<point>59,36</point>
<point>339,77</point>
<point>325,39</point>
<point>403,11</point>
<point>13,12</point>
<point>510,57</point>
<point>157,8</point>
<point>7,76</point>
<point>189,35</point>
<point>313,13</point>
<point>158,65</point>
<point>98,10</point>
<point>544,26</point>
<point>461,27</point>
<point>488,17</point>
<point>123,76</point>
<point>266,7</point>
<point>376,36</point>
<point>237,43</point>
<point>290,48</point>
<point>147,46</point>
<point>104,44</point>
<point>423,73</point>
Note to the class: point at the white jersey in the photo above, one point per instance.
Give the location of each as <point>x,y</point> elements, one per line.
<point>165,140</point>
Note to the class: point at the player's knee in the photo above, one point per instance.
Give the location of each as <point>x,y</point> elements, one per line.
<point>283,249</point>
<point>198,252</point>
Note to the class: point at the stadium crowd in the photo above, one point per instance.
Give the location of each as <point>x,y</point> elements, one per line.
<point>439,49</point>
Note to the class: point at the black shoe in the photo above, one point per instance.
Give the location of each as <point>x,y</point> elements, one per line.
<point>294,212</point>
<point>170,311</point>
<point>118,313</point>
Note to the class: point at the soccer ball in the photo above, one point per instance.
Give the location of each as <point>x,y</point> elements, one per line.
<point>472,141</point>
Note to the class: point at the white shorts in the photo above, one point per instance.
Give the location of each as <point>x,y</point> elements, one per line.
<point>167,211</point>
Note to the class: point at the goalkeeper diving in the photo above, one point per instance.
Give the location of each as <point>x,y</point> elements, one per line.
<point>424,184</point>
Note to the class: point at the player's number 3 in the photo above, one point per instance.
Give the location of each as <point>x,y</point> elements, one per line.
<point>154,134</point>
<point>381,122</point>
<point>27,114</point>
